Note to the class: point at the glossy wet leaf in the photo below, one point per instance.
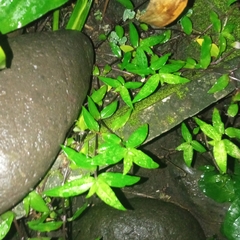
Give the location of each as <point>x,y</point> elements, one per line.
<point>186,24</point>
<point>119,30</point>
<point>71,188</point>
<point>172,79</point>
<point>132,85</point>
<point>37,203</point>
<point>219,187</point>
<point>148,88</point>
<point>220,84</point>
<point>152,40</point>
<point>220,155</point>
<point>125,60</point>
<point>198,146</point>
<point>15,14</point>
<point>185,133</point>
<point>106,194</point>
<point>109,154</point>
<point>2,59</point>
<point>127,164</point>
<point>208,129</point>
<point>217,121</point>
<point>160,62</point>
<point>111,138</point>
<point>78,212</point>
<point>231,223</point>
<point>93,108</point>
<point>233,132</point>
<point>79,159</point>
<point>231,149</point>
<point>118,179</point>
<point>187,152</point>
<point>116,50</point>
<point>140,158</point>
<point>133,35</point>
<point>137,137</point>
<point>232,110</point>
<point>109,110</point>
<point>45,227</point>
<point>121,121</point>
<point>140,59</point>
<point>90,122</point>
<point>222,43</point>
<point>6,220</point>
<point>125,95</point>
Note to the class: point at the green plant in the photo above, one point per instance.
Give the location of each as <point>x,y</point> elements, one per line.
<point>103,146</point>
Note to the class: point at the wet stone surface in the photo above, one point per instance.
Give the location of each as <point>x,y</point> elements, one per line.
<point>149,219</point>
<point>40,97</point>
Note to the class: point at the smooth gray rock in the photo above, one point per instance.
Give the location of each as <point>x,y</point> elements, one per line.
<point>40,97</point>
<point>151,219</point>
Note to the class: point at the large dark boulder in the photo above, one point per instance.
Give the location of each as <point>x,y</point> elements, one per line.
<point>40,97</point>
<point>150,219</point>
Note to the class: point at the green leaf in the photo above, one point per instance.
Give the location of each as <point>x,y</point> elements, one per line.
<point>44,227</point>
<point>110,81</point>
<point>6,220</point>
<point>222,44</point>
<point>133,35</point>
<point>121,121</point>
<point>109,154</point>
<point>185,133</point>
<point>232,110</point>
<point>79,159</point>
<point>186,24</point>
<point>98,95</point>
<point>236,97</point>
<point>93,108</point>
<point>119,30</point>
<point>198,146</point>
<point>160,62</point>
<point>37,203</point>
<point>18,13</point>
<point>118,179</point>
<point>132,85</point>
<point>90,122</point>
<point>220,155</point>
<point>137,137</point>
<point>125,95</point>
<point>208,130</point>
<point>79,15</point>
<point>220,84</point>
<point>172,79</point>
<point>148,88</point>
<point>78,212</point>
<point>233,132</point>
<point>215,21</point>
<point>109,110</point>
<point>2,59</point>
<point>231,149</point>
<point>217,121</point>
<point>127,164</point>
<point>125,60</point>
<point>126,3</point>
<point>217,186</point>
<point>231,2</point>
<point>140,59</point>
<point>172,67</point>
<point>111,138</point>
<point>106,194</point>
<point>188,155</point>
<point>152,41</point>
<point>140,158</point>
<point>231,224</point>
<point>71,188</point>
<point>205,58</point>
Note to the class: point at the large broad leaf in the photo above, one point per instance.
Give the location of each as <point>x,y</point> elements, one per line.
<point>231,224</point>
<point>15,14</point>
<point>217,186</point>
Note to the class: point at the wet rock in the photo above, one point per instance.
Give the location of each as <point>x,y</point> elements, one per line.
<point>40,97</point>
<point>151,219</point>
